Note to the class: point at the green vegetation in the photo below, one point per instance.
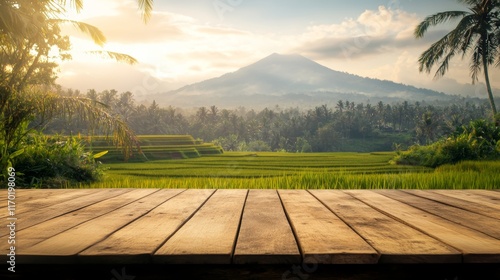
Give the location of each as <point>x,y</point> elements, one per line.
<point>156,147</point>
<point>51,161</point>
<point>32,46</point>
<point>30,101</point>
<point>269,170</point>
<point>478,141</point>
<point>347,127</point>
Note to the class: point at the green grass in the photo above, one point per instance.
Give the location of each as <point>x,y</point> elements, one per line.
<point>297,171</point>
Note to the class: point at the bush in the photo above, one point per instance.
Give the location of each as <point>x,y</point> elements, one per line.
<point>56,159</point>
<point>479,140</point>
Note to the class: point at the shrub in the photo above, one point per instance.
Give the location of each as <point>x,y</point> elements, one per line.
<point>479,140</point>
<point>56,159</point>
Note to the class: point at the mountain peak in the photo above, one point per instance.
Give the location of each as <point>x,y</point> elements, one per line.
<point>281,57</point>
<point>291,79</point>
<point>284,63</point>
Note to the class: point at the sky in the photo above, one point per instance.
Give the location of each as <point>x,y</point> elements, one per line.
<point>190,41</point>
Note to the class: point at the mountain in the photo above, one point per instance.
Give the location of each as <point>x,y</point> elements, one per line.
<point>291,80</point>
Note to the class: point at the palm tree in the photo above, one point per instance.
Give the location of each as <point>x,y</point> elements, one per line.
<point>477,35</point>
<point>29,31</point>
<point>16,22</point>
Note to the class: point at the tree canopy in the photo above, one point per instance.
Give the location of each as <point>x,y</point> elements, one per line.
<point>31,46</point>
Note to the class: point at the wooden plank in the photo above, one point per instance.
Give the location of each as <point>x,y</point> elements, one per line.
<point>40,199</point>
<point>470,196</point>
<point>487,225</point>
<point>265,235</point>
<point>459,203</point>
<point>396,242</point>
<point>487,193</point>
<point>136,242</point>
<point>476,247</point>
<point>28,199</point>
<point>322,236</point>
<point>64,247</point>
<point>34,217</point>
<point>28,195</point>
<point>47,229</point>
<point>209,236</point>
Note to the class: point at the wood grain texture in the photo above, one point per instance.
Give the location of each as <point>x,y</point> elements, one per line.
<point>66,245</point>
<point>322,236</point>
<point>459,203</point>
<point>487,193</point>
<point>473,196</point>
<point>36,216</point>
<point>484,224</point>
<point>47,229</point>
<point>265,235</point>
<point>28,199</point>
<point>120,226</point>
<point>209,236</point>
<point>395,241</point>
<point>136,242</point>
<point>475,246</point>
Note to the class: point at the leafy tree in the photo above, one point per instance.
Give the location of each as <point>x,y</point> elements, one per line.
<point>30,33</point>
<point>477,35</point>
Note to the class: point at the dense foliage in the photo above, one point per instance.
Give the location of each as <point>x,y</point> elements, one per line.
<point>31,46</point>
<point>347,127</point>
<point>478,140</point>
<point>52,161</point>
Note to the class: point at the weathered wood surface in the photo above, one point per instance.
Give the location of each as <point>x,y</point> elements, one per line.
<point>137,241</point>
<point>197,226</point>
<point>265,235</point>
<point>210,235</point>
<point>395,241</point>
<point>323,237</point>
<point>474,245</point>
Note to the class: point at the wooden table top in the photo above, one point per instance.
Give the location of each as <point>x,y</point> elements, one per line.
<point>208,226</point>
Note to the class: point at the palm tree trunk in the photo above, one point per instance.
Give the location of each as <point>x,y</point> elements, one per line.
<point>488,87</point>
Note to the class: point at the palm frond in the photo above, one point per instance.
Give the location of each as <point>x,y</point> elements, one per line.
<point>76,4</point>
<point>443,68</point>
<point>15,23</point>
<point>476,63</point>
<point>436,19</point>
<point>459,40</point>
<point>94,32</point>
<point>93,113</point>
<point>433,54</point>
<point>470,2</point>
<point>146,7</point>
<point>121,57</point>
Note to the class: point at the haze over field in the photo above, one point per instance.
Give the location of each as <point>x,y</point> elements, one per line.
<point>190,41</point>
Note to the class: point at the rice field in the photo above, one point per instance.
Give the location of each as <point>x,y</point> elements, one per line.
<point>297,171</point>
<point>156,147</point>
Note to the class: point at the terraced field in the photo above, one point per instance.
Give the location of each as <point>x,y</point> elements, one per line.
<point>156,147</point>
<point>265,164</point>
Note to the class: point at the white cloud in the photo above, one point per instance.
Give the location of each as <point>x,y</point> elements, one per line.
<point>175,50</point>
<point>373,32</point>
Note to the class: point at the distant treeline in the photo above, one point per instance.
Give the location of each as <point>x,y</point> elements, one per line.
<point>348,126</point>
